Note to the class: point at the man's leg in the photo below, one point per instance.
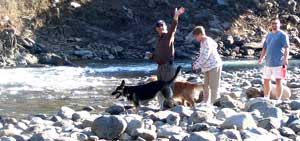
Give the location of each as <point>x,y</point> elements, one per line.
<point>165,72</point>
<point>267,88</point>
<point>278,89</point>
<point>267,73</point>
<point>214,83</point>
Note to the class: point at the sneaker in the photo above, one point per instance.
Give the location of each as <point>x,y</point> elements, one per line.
<point>278,101</point>
<point>266,98</point>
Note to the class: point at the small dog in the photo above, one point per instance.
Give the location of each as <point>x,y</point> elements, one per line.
<point>285,95</point>
<point>146,92</point>
<point>184,91</point>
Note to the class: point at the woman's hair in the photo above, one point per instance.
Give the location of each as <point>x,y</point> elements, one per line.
<point>199,30</point>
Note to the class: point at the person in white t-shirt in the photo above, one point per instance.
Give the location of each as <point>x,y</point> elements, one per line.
<point>210,63</point>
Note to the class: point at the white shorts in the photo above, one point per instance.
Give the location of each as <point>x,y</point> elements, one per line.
<point>276,72</point>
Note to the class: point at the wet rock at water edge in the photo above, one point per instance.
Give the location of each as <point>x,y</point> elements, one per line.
<point>109,127</point>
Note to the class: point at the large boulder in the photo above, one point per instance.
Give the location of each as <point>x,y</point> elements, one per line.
<point>264,107</point>
<point>109,127</point>
<point>241,121</point>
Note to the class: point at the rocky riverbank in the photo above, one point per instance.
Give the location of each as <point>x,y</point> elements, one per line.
<point>233,117</point>
<point>101,30</point>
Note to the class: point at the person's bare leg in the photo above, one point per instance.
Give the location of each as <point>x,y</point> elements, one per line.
<point>267,88</point>
<point>278,89</point>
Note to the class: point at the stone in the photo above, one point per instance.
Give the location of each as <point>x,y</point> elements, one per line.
<point>64,123</point>
<point>37,128</point>
<point>80,115</point>
<point>259,133</point>
<point>252,92</point>
<point>224,113</point>
<point>287,132</point>
<point>42,116</point>
<point>125,137</point>
<point>9,121</point>
<point>54,59</point>
<point>79,136</point>
<point>45,136</point>
<point>264,107</point>
<point>145,134</point>
<point>179,137</point>
<point>201,116</point>
<point>36,120</point>
<point>295,126</point>
<point>10,132</point>
<point>87,54</point>
<point>65,139</point>
<point>295,104</point>
<point>162,115</point>
<point>109,127</point>
<point>222,2</point>
<point>294,18</point>
<point>88,108</point>
<point>93,138</point>
<point>89,122</point>
<point>21,125</point>
<point>233,134</point>
<point>182,110</point>
<point>167,131</point>
<point>115,109</point>
<point>21,137</point>
<point>55,118</point>
<point>199,127</point>
<point>227,102</point>
<point>173,119</point>
<point>65,112</point>
<point>133,123</point>
<point>241,121</point>
<point>7,139</point>
<point>202,136</point>
<point>228,41</point>
<point>269,123</point>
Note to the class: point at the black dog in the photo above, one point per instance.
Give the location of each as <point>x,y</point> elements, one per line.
<point>146,92</point>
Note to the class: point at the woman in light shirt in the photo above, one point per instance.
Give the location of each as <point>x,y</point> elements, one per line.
<point>210,63</point>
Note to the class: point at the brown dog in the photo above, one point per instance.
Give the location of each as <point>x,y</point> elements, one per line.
<point>187,91</point>
<point>184,91</point>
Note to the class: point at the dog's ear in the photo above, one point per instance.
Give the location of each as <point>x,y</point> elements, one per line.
<point>122,83</point>
<point>118,95</point>
<point>114,93</point>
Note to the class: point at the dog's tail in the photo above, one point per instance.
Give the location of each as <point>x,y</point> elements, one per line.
<point>176,74</point>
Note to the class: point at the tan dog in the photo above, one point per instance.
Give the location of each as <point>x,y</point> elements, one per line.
<point>187,91</point>
<point>253,92</point>
<point>184,91</point>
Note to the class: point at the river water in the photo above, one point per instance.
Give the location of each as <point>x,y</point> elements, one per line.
<point>29,91</point>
